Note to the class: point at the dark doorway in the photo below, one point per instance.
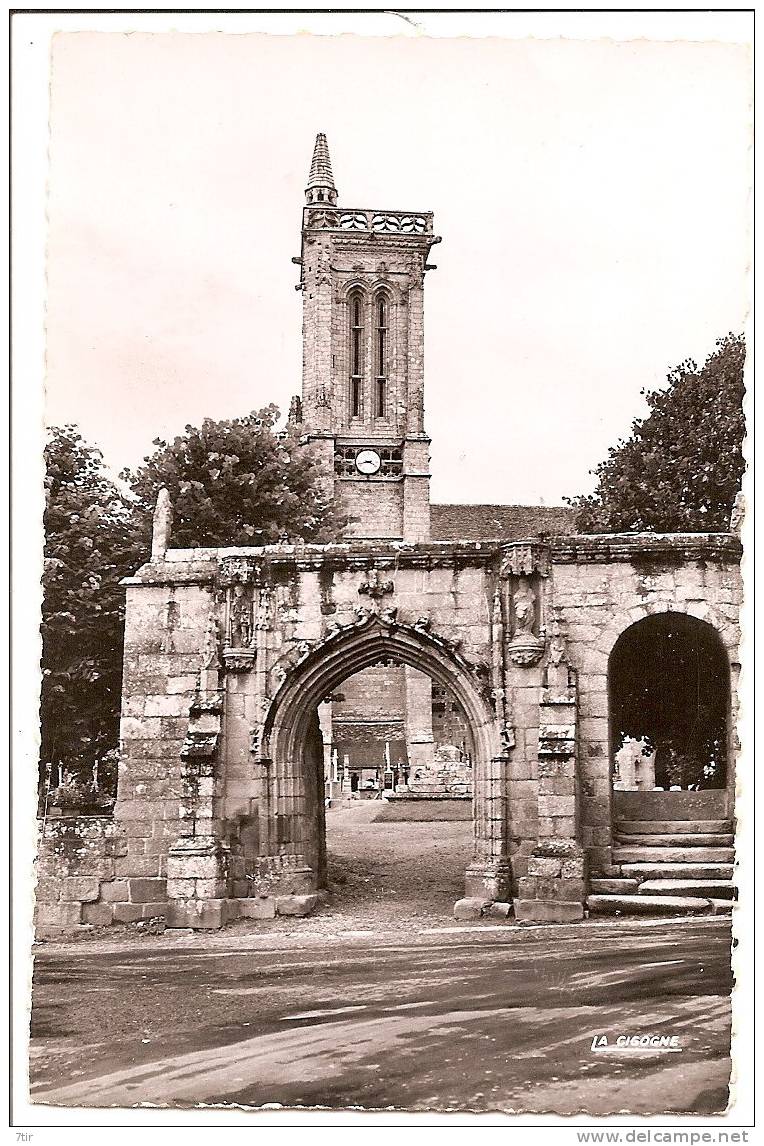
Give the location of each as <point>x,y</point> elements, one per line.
<point>669,699</point>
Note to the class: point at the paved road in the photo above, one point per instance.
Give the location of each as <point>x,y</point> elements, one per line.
<point>451,1018</point>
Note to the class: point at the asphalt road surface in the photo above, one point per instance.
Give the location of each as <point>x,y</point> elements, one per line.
<point>480,1017</point>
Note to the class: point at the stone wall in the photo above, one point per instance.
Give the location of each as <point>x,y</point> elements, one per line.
<point>81,880</point>
<point>599,599</point>
<point>165,627</point>
<point>219,768</point>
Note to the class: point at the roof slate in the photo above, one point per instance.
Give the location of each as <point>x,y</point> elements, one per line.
<point>499,522</point>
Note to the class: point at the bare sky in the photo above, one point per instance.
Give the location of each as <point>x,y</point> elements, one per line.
<point>592,199</point>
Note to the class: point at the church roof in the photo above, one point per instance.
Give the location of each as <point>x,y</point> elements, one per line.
<point>321,167</point>
<point>499,522</point>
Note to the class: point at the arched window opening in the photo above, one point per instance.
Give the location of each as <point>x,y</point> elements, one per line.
<point>669,695</point>
<point>381,358</point>
<point>356,355</point>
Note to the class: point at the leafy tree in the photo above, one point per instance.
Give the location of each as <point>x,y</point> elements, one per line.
<point>238,482</point>
<point>683,464</point>
<point>232,482</point>
<point>91,542</point>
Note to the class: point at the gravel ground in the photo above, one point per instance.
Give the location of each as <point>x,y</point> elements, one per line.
<point>382,877</point>
<point>393,873</point>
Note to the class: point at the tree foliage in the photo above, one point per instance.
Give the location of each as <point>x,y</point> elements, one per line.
<point>235,482</point>
<point>91,542</point>
<point>238,482</point>
<point>683,464</point>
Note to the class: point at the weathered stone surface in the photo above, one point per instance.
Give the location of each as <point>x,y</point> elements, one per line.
<point>99,914</point>
<point>470,908</point>
<point>82,888</point>
<point>147,890</point>
<point>548,887</point>
<point>58,915</point>
<point>544,911</point>
<point>260,907</point>
<point>127,912</point>
<point>200,914</point>
<point>498,910</point>
<point>544,865</point>
<point>295,904</point>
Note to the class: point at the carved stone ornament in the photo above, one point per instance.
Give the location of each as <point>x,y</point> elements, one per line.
<point>242,570</point>
<point>523,558</point>
<point>375,588</point>
<point>210,658</point>
<point>240,626</point>
<point>238,660</point>
<point>525,648</point>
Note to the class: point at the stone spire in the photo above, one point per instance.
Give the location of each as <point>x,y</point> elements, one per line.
<point>321,187</point>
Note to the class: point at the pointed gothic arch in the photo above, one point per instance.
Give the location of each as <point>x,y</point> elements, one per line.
<point>289,730</point>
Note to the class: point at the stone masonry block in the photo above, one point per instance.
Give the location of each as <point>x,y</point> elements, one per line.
<point>47,890</point>
<point>147,890</point>
<point>154,910</point>
<point>193,866</point>
<point>470,908</point>
<point>127,912</point>
<point>205,915</point>
<point>138,865</point>
<point>551,888</point>
<point>210,889</point>
<point>259,907</point>
<point>556,786</point>
<point>556,806</point>
<point>541,911</point>
<point>181,888</point>
<point>98,914</point>
<point>296,904</point>
<point>115,891</point>
<point>80,888</point>
<point>544,866</point>
<point>58,915</point>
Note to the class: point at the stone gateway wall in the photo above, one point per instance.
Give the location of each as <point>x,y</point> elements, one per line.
<point>228,653</point>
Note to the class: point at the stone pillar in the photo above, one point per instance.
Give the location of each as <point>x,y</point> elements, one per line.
<point>419,740</point>
<point>197,863</point>
<point>331,782</point>
<point>554,890</point>
<point>488,879</point>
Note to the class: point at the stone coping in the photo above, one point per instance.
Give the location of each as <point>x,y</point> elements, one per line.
<point>200,565</point>
<point>412,797</point>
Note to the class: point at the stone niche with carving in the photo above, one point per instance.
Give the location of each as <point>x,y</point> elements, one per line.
<point>523,568</point>
<point>239,635</point>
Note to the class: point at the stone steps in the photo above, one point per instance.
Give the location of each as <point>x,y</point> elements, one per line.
<point>640,871</point>
<point>668,867</point>
<point>623,854</point>
<point>676,840</point>
<point>613,886</point>
<point>705,888</point>
<point>648,905</point>
<point>673,827</point>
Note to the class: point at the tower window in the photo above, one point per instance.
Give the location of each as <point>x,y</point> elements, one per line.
<point>356,355</point>
<point>381,372</point>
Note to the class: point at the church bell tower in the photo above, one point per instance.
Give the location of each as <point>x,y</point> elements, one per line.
<point>362,279</point>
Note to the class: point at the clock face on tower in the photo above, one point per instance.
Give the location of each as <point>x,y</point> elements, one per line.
<point>367,462</point>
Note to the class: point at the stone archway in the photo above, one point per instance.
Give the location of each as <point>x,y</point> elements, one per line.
<point>295,801</point>
<point>669,716</point>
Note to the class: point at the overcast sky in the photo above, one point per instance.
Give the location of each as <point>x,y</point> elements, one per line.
<point>592,200</point>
